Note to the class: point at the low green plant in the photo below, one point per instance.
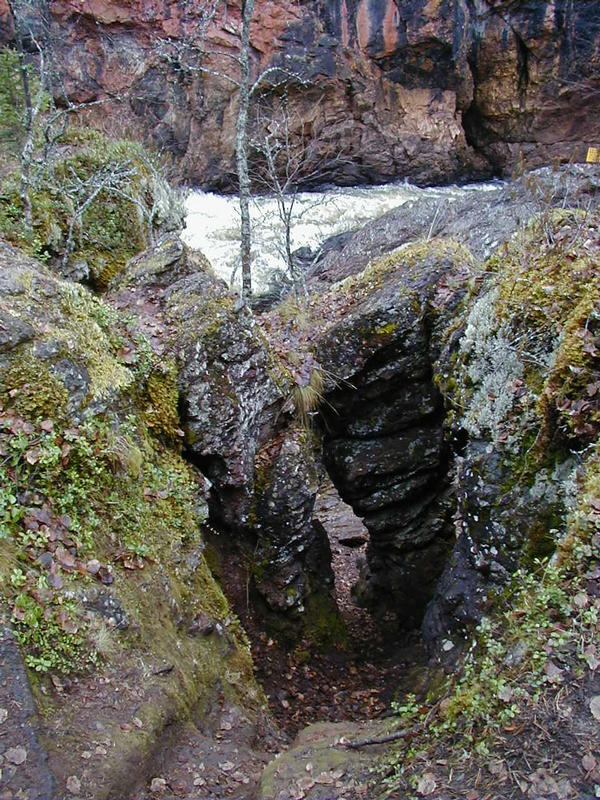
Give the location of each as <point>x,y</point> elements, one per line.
<point>519,658</point>
<point>72,486</point>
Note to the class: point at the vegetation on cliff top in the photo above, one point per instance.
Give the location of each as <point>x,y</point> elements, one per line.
<point>95,202</point>
<point>526,379</point>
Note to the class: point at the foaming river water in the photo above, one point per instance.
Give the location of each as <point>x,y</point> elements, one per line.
<point>213,222</point>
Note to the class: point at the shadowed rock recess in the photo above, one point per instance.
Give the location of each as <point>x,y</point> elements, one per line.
<point>384,443</point>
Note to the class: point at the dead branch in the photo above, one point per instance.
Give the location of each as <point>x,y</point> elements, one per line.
<point>390,737</point>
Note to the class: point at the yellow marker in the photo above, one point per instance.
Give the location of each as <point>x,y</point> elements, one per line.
<point>593,155</point>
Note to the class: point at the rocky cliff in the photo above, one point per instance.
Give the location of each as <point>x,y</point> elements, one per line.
<point>473,388</point>
<point>429,90</point>
<point>447,383</point>
<point>105,586</point>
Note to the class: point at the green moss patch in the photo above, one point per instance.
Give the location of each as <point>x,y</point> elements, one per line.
<point>96,202</point>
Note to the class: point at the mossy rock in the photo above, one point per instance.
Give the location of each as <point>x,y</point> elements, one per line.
<point>320,767</point>
<point>101,553</point>
<point>109,195</point>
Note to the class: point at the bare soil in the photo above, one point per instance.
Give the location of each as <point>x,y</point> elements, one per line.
<point>352,683</point>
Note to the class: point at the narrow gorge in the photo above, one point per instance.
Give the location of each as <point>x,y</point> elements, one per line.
<point>342,538</point>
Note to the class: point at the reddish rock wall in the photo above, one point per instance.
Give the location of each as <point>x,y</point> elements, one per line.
<point>430,90</point>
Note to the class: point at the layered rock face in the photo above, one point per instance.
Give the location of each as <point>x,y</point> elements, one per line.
<point>235,409</point>
<point>384,444</point>
<point>430,90</point>
<point>397,439</point>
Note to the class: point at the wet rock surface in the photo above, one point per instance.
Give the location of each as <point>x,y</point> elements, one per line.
<point>384,443</point>
<point>233,389</point>
<point>23,760</point>
<point>481,221</point>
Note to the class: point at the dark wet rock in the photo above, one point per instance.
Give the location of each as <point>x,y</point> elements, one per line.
<point>13,331</point>
<point>230,397</point>
<point>286,486</point>
<point>107,606</point>
<point>234,395</point>
<point>31,777</point>
<point>383,420</point>
<point>75,378</point>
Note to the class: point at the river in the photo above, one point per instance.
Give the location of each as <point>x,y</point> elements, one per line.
<point>213,222</point>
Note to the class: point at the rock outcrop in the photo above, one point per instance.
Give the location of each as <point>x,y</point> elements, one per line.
<point>481,220</point>
<point>515,354</point>
<point>104,580</point>
<point>384,444</point>
<point>430,90</point>
<point>395,443</point>
<point>523,387</point>
<point>236,403</point>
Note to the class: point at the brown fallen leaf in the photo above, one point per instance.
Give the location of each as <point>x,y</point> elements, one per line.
<point>64,558</point>
<point>427,784</point>
<point>158,786</point>
<point>553,673</point>
<point>33,456</point>
<point>588,762</point>
<point>305,784</point>
<point>66,623</point>
<point>3,715</point>
<point>595,706</point>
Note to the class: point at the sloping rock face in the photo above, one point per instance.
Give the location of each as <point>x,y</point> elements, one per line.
<point>398,439</point>
<point>106,596</point>
<point>431,90</point>
<point>524,390</point>
<point>482,219</point>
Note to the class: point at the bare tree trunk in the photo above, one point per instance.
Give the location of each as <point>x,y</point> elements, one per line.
<point>241,147</point>
<point>29,122</point>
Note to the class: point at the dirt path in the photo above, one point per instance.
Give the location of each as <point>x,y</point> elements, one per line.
<point>353,684</point>
<point>223,762</point>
